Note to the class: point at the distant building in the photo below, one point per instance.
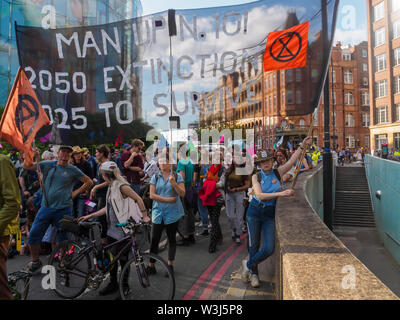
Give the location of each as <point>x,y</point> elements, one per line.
<point>384,72</point>
<point>283,94</point>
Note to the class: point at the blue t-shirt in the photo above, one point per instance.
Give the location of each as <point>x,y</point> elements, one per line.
<point>59,183</point>
<point>269,184</point>
<point>161,211</point>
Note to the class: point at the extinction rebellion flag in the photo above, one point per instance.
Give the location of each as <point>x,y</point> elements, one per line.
<point>23,117</point>
<point>287,49</point>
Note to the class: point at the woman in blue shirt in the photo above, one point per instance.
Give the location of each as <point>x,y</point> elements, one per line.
<point>260,215</point>
<point>166,191</point>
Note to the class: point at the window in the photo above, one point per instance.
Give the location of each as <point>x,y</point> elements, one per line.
<point>334,118</point>
<point>349,120</point>
<point>298,75</point>
<point>380,63</point>
<point>380,140</point>
<point>396,57</point>
<point>350,142</point>
<point>396,84</point>
<point>365,81</point>
<point>364,53</point>
<point>365,98</point>
<point>365,120</point>
<point>283,98</point>
<point>366,142</point>
<point>302,122</point>
<point>348,77</point>
<point>274,80</point>
<point>289,97</point>
<point>396,29</point>
<point>266,84</point>
<point>334,98</point>
<point>349,99</point>
<point>397,112</point>
<point>395,5</point>
<point>289,75</point>
<point>381,89</point>
<point>382,115</point>
<point>396,140</point>
<point>365,67</point>
<point>298,97</point>
<point>259,142</point>
<point>333,76</point>
<point>314,75</point>
<point>379,37</point>
<point>346,56</point>
<point>275,101</point>
<point>379,11</point>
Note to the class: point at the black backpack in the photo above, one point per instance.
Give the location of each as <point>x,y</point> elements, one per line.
<point>145,193</point>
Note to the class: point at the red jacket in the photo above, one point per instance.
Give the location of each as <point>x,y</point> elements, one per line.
<point>209,193</point>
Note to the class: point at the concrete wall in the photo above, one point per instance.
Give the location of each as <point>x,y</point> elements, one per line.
<point>311,263</point>
<point>384,175</point>
<point>314,192</point>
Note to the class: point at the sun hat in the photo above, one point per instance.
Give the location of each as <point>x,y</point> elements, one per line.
<point>263,156</point>
<point>77,149</point>
<point>85,151</point>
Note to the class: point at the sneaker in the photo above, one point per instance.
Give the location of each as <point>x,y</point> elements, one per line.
<point>183,242</point>
<point>34,266</point>
<point>237,240</point>
<point>125,288</point>
<point>111,288</point>
<point>255,282</point>
<point>204,233</point>
<point>245,272</point>
<point>151,270</point>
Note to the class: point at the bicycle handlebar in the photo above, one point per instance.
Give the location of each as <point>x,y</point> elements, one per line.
<point>131,223</point>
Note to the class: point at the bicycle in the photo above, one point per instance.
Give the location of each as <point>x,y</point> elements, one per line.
<point>76,271</point>
<point>18,283</point>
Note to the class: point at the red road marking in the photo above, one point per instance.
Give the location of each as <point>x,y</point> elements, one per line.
<point>189,295</point>
<point>207,291</point>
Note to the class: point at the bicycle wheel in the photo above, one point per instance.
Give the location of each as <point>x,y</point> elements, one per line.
<point>19,283</point>
<point>71,269</point>
<point>159,286</point>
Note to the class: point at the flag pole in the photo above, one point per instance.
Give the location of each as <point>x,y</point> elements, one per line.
<point>303,153</point>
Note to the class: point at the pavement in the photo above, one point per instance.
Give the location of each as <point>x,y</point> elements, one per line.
<point>199,275</point>
<point>365,244</point>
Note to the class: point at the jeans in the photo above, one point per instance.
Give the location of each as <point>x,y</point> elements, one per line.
<point>235,211</point>
<point>202,210</point>
<point>44,218</point>
<point>261,225</point>
<point>79,206</point>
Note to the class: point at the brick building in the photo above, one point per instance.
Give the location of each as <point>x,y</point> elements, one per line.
<point>286,99</point>
<point>384,72</point>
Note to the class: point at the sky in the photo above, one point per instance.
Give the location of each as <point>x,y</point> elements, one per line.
<point>351,23</point>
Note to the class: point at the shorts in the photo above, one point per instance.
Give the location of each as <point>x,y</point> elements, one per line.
<point>44,218</point>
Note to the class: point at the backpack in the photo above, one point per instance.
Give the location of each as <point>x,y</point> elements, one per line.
<point>145,193</point>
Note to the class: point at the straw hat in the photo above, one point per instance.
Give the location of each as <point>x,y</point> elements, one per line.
<point>77,149</point>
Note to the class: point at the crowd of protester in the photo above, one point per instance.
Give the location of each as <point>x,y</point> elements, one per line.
<point>178,197</point>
